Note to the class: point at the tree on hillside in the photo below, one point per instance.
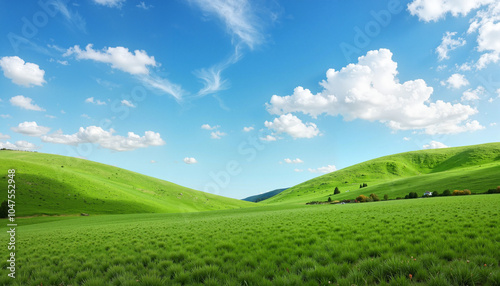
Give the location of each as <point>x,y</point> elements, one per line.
<point>337,191</point>
<point>446,193</point>
<point>374,197</point>
<point>386,197</point>
<point>365,185</point>
<point>435,193</point>
<point>329,199</point>
<point>361,198</point>
<point>4,209</point>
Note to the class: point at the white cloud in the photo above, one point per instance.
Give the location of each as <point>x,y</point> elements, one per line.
<point>91,100</point>
<point>441,67</point>
<point>455,81</point>
<point>25,103</point>
<point>153,162</point>
<point>498,92</point>
<point>217,134</point>
<point>294,161</point>
<point>143,5</point>
<point>238,16</point>
<point>471,95</point>
<point>73,18</point>
<point>448,44</point>
<point>162,85</point>
<point>190,160</point>
<point>433,10</point>
<point>21,73</point>
<point>208,127</point>
<point>106,139</point>
<point>85,116</point>
<point>110,3</point>
<point>31,129</point>
<point>371,91</point>
<point>50,116</point>
<point>406,138</point>
<point>4,136</point>
<point>293,126</point>
<point>487,25</point>
<point>121,58</point>
<point>327,169</point>
<point>19,145</point>
<point>212,78</point>
<point>493,124</point>
<point>5,116</point>
<point>464,67</point>
<point>298,170</point>
<point>268,138</point>
<point>127,103</point>
<point>248,129</point>
<point>434,145</point>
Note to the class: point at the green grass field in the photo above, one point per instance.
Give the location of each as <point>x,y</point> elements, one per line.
<point>55,185</point>
<point>439,241</point>
<point>476,168</point>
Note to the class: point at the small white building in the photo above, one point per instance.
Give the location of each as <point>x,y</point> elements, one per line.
<point>428,194</point>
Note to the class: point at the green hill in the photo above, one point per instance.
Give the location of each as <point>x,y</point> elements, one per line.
<point>55,185</point>
<point>474,167</point>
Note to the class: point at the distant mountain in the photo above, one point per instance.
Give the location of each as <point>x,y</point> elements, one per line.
<point>264,196</point>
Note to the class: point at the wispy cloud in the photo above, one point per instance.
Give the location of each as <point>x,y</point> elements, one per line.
<point>72,17</point>
<point>242,24</point>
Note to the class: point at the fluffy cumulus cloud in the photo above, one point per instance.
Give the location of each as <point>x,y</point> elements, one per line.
<point>433,10</point>
<point>208,127</point>
<point>485,22</point>
<point>190,160</point>
<point>294,161</point>
<point>293,126</point>
<point>97,102</point>
<point>19,145</point>
<point>21,72</point>
<point>448,44</point>
<point>25,103</point>
<point>268,138</point>
<point>370,90</point>
<point>455,81</point>
<point>110,3</point>
<point>4,136</point>
<point>487,25</point>
<point>471,95</point>
<point>121,58</point>
<point>434,145</point>
<point>30,128</point>
<point>217,134</point>
<point>324,170</point>
<point>248,129</point>
<point>106,139</point>
<point>127,103</point>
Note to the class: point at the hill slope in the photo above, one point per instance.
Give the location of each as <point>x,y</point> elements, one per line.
<point>53,184</point>
<point>474,167</point>
<point>264,196</point>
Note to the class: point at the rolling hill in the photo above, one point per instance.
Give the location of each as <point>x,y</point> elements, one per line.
<point>474,167</point>
<point>264,196</point>
<point>56,185</point>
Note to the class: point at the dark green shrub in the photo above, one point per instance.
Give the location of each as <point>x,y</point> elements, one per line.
<point>337,191</point>
<point>386,197</point>
<point>361,198</point>
<point>446,193</point>
<point>374,197</point>
<point>329,199</point>
<point>435,193</point>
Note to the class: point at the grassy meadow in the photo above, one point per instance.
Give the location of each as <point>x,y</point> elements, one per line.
<point>428,241</point>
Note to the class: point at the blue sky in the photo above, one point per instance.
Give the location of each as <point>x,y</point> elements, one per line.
<point>240,97</point>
